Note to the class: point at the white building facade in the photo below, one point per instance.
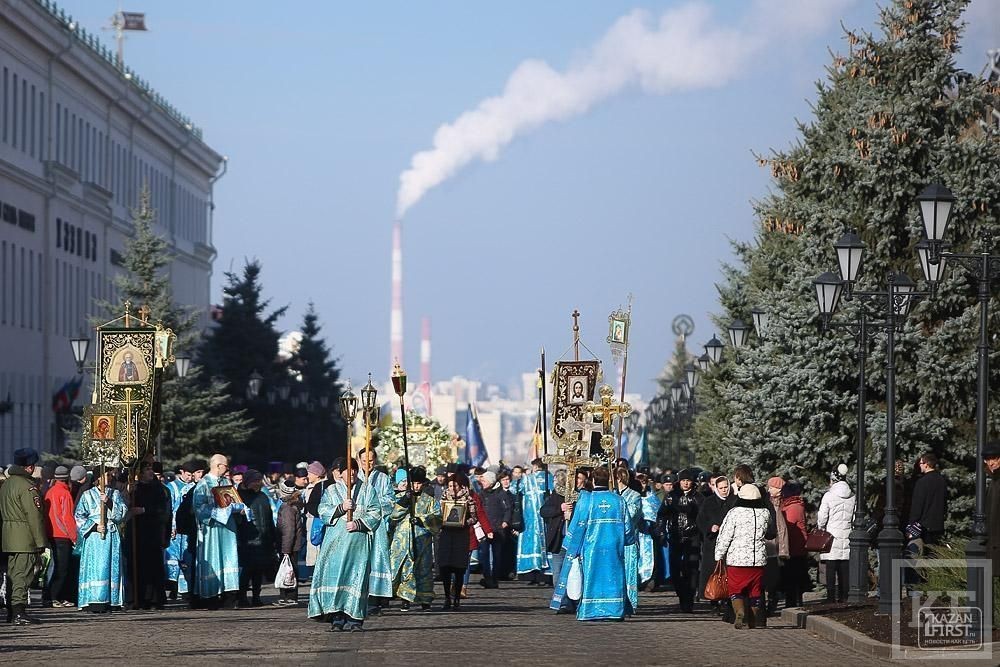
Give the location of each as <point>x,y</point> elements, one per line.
<point>79,138</point>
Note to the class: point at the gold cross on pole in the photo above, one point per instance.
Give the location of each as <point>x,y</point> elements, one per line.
<point>571,454</point>
<point>144,312</point>
<point>607,409</point>
<point>131,448</point>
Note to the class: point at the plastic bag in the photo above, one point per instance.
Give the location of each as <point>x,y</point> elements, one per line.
<point>286,574</point>
<point>316,531</point>
<point>574,580</point>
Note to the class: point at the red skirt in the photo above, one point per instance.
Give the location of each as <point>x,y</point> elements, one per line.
<point>744,581</point>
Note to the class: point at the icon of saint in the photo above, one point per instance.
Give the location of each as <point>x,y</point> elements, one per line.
<point>128,371</point>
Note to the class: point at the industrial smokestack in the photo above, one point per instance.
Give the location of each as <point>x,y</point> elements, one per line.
<point>396,318</point>
<point>425,351</point>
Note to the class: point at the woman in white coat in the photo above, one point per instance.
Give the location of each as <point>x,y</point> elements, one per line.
<point>836,511</point>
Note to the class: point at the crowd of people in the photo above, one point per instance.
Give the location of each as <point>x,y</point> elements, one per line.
<point>363,535</point>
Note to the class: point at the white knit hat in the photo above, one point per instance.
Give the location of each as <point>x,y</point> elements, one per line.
<point>749,492</point>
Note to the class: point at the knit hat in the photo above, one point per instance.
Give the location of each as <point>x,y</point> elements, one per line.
<point>78,474</point>
<point>240,469</point>
<point>62,473</point>
<point>317,469</point>
<point>418,474</point>
<point>302,464</point>
<point>749,492</point>
<point>286,490</point>
<point>776,482</point>
<point>840,474</point>
<point>400,476</point>
<point>489,479</point>
<point>440,470</point>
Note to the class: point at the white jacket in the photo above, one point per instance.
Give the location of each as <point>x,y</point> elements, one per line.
<point>836,511</point>
<point>741,536</point>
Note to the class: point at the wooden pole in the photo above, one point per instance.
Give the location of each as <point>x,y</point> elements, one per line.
<point>102,521</point>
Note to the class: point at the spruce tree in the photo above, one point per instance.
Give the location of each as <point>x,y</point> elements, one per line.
<point>894,115</point>
<point>194,415</point>
<point>325,431</point>
<point>243,342</point>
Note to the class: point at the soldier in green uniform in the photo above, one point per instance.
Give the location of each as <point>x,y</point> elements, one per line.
<point>23,530</point>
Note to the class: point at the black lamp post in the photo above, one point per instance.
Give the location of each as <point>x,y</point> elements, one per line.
<point>80,346</point>
<point>936,203</point>
<point>713,349</point>
<point>761,318</point>
<point>704,362</point>
<point>895,302</point>
<point>253,385</point>
<point>182,365</point>
<point>739,332</point>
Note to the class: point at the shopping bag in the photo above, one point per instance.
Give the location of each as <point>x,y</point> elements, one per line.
<point>574,580</point>
<point>717,587</point>
<point>285,578</point>
<point>316,532</point>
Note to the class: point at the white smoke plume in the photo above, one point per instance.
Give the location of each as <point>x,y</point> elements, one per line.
<point>685,48</point>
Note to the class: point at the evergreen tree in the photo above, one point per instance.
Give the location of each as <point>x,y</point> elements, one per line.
<point>194,414</point>
<point>669,437</point>
<point>325,431</point>
<point>894,115</point>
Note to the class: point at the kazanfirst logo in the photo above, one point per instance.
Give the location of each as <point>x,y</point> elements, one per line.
<point>947,624</point>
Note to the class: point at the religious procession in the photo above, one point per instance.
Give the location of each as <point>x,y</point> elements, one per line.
<point>367,536</point>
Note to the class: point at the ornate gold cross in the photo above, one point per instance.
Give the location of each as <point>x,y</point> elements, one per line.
<point>571,453</point>
<point>144,312</point>
<point>131,448</point>
<point>607,410</point>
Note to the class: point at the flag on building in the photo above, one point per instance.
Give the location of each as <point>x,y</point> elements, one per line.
<point>63,399</point>
<point>640,453</point>
<point>475,449</point>
<point>133,20</point>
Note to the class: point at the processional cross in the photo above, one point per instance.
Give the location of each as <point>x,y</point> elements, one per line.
<point>131,449</point>
<point>574,454</point>
<point>607,409</point>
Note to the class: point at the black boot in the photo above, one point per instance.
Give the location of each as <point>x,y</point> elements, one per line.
<point>21,617</point>
<point>447,593</point>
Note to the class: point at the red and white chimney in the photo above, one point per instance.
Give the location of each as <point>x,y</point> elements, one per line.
<point>425,351</point>
<point>396,318</point>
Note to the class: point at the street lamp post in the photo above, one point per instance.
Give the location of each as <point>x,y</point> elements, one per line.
<point>896,300</point>
<point>936,203</point>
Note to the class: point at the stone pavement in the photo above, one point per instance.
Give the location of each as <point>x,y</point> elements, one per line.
<point>512,624</point>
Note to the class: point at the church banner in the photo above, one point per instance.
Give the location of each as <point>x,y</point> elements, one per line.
<point>127,359</point>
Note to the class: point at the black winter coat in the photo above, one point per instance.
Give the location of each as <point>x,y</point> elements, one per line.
<point>255,539</point>
<point>676,521</point>
<point>499,505</point>
<point>555,524</point>
<point>930,498</point>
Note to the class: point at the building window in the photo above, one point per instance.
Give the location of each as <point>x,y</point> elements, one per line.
<point>13,116</point>
<point>79,242</point>
<point>93,247</point>
<point>24,114</point>
<point>34,112</point>
<point>58,232</point>
<point>69,238</point>
<point>116,258</point>
<point>10,214</point>
<point>26,221</point>
<point>6,77</point>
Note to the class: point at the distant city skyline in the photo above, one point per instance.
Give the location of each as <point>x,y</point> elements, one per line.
<point>635,186</point>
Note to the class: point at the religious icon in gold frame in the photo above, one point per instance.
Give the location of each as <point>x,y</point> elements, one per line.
<point>453,514</point>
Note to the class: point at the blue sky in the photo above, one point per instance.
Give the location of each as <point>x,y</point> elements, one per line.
<point>321,105</point>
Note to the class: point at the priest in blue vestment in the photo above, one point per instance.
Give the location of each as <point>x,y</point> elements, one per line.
<point>647,547</point>
<point>531,555</point>
<point>380,586</point>
<point>340,583</point>
<point>217,565</point>
<point>598,537</point>
<point>181,484</point>
<point>633,519</point>
<point>100,582</point>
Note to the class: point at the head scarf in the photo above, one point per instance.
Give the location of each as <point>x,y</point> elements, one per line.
<point>729,487</point>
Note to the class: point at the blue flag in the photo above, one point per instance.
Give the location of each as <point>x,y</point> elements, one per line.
<point>640,454</point>
<point>475,450</point>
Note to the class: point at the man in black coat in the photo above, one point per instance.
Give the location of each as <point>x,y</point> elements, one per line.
<point>256,539</point>
<point>929,500</point>
<point>676,523</point>
<point>499,506</point>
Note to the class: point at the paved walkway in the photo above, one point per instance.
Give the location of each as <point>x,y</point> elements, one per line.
<point>502,626</point>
